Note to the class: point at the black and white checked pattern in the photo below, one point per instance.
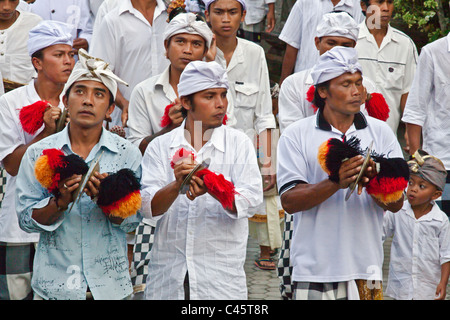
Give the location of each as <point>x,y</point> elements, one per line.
<point>144,238</point>
<point>2,184</point>
<point>320,291</point>
<point>284,267</point>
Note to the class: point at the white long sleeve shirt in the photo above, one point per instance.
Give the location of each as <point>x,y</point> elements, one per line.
<point>419,248</point>
<point>428,103</point>
<point>201,237</point>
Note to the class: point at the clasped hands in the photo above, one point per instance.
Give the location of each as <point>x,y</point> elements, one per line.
<point>197,186</point>
<point>350,169</point>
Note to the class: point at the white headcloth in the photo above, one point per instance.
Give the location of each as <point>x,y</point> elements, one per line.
<point>208,3</point>
<point>187,23</point>
<point>90,68</point>
<point>200,75</point>
<point>338,24</point>
<point>48,33</point>
<point>335,62</point>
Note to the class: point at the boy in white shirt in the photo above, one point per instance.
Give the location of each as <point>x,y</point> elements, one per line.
<point>420,254</point>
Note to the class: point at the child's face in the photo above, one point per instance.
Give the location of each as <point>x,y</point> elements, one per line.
<point>225,17</point>
<point>420,191</point>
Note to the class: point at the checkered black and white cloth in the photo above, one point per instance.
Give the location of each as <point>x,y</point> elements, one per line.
<point>284,267</point>
<point>2,184</point>
<point>144,238</point>
<point>320,291</point>
<point>16,268</point>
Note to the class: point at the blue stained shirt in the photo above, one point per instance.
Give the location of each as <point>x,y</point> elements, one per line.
<point>83,248</point>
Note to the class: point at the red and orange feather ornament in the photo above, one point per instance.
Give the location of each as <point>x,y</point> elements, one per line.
<point>216,184</point>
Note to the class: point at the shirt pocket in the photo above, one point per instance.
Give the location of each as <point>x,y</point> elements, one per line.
<point>394,77</point>
<point>246,95</point>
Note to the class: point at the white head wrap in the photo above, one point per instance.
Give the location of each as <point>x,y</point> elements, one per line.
<point>338,24</point>
<point>187,23</point>
<point>200,75</point>
<point>335,62</point>
<point>208,3</point>
<point>48,33</point>
<point>90,68</point>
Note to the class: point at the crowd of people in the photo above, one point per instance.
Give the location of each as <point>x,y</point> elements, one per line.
<point>143,141</point>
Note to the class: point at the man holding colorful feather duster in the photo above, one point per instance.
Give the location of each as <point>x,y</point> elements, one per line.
<point>80,190</point>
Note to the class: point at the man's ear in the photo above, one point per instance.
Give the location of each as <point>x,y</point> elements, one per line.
<point>186,103</point>
<point>110,110</point>
<point>37,63</point>
<point>323,92</point>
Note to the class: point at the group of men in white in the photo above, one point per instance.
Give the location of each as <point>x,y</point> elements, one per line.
<point>131,68</point>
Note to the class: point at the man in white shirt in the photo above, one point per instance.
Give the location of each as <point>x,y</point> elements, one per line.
<point>186,39</point>
<point>335,242</point>
<point>72,12</point>
<point>15,63</point>
<point>300,29</point>
<point>335,29</point>
<point>388,55</point>
<point>200,247</point>
<point>50,45</point>
<point>130,38</point>
<point>427,108</point>
<point>248,77</point>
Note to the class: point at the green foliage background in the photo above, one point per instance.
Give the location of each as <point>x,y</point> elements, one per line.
<point>430,17</point>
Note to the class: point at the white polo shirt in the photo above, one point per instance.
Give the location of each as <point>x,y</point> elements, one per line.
<point>299,30</point>
<point>15,61</point>
<point>429,98</point>
<point>419,248</point>
<point>292,99</point>
<point>132,46</point>
<point>391,66</point>
<point>337,240</point>
<point>12,137</point>
<point>256,10</point>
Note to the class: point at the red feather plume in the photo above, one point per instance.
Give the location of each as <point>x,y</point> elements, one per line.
<point>32,116</point>
<point>377,107</point>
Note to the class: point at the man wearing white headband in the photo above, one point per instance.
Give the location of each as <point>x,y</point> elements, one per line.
<point>186,38</point>
<point>50,51</point>
<point>335,29</point>
<point>336,242</point>
<point>88,238</point>
<point>131,39</point>
<point>200,244</point>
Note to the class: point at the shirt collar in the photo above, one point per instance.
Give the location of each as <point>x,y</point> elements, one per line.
<point>128,6</point>
<point>359,121</point>
<point>434,214</point>
<point>348,3</point>
<point>106,141</point>
<point>163,81</point>
<point>365,33</point>
<point>217,138</point>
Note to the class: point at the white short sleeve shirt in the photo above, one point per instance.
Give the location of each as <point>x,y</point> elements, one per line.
<point>337,240</point>
<point>12,136</point>
<point>391,66</point>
